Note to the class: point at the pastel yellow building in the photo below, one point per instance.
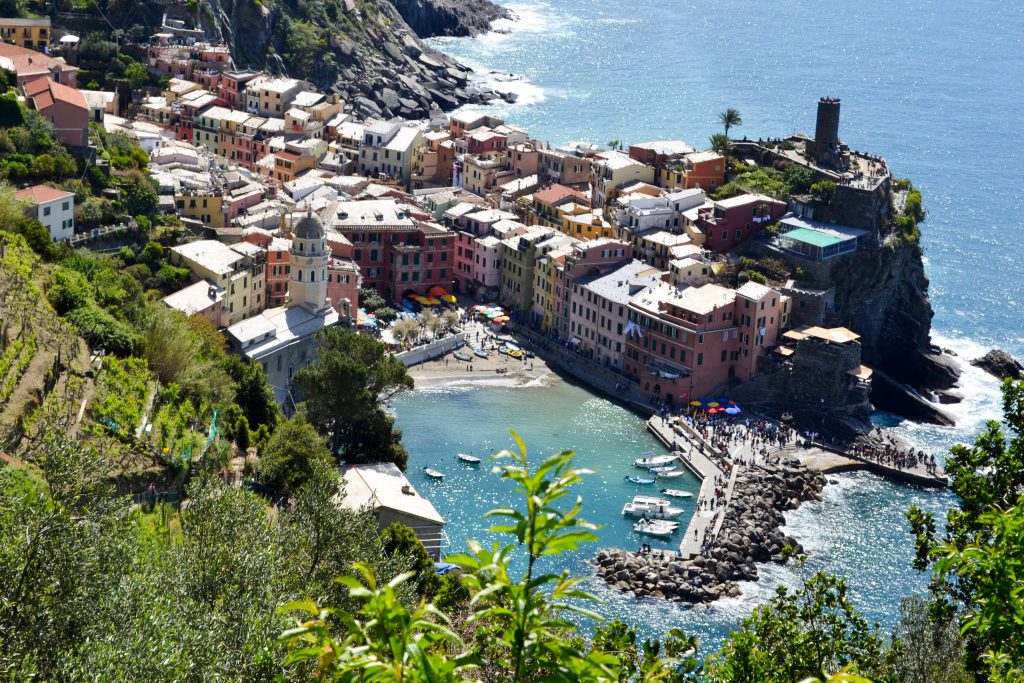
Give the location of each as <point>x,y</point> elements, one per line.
<point>33,34</point>
<point>545,281</point>
<point>589,225</point>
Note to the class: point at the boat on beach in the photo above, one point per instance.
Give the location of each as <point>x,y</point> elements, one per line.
<point>471,459</point>
<point>480,352</point>
<point>655,461</point>
<point>432,473</point>
<point>676,493</point>
<point>639,480</point>
<point>649,506</point>
<point>465,357</point>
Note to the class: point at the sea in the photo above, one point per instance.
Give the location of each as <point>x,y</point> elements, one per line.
<point>931,85</point>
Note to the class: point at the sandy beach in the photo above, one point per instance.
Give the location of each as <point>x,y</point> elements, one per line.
<point>449,371</point>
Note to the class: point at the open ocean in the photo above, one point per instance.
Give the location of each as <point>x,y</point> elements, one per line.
<point>934,87</point>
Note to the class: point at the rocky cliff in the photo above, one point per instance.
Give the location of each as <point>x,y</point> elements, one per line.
<point>370,52</point>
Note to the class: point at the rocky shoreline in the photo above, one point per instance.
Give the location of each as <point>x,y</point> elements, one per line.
<point>750,534</point>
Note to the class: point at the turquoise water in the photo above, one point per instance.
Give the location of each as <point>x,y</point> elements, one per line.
<point>930,85</point>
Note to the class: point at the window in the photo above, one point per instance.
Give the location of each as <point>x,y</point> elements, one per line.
<point>723,356</point>
<point>700,359</point>
<point>46,211</point>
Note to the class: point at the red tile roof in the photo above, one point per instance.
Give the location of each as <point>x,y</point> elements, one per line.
<point>40,194</point>
<point>557,193</point>
<point>45,92</point>
<point>28,62</point>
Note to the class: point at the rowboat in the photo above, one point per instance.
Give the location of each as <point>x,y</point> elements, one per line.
<point>670,475</point>
<point>480,352</point>
<point>676,493</point>
<point>662,470</point>
<point>515,353</point>
<point>655,461</point>
<point>649,506</point>
<point>459,355</point>
<point>639,480</point>
<point>432,473</point>
<point>649,528</point>
<point>471,459</point>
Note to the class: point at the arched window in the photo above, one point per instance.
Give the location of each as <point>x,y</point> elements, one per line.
<point>300,275</point>
<point>312,276</point>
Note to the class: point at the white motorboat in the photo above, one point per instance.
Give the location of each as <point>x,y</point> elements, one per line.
<point>471,459</point>
<point>663,469</point>
<point>655,461</point>
<point>676,493</point>
<point>649,506</point>
<point>432,473</point>
<point>670,475</point>
<point>649,528</point>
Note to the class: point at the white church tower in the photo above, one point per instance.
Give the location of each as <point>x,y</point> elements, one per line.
<point>307,285</point>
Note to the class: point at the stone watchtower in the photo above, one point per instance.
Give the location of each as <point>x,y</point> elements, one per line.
<point>825,149</point>
<point>307,286</point>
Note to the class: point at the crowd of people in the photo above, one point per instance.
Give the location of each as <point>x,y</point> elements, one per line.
<point>885,450</point>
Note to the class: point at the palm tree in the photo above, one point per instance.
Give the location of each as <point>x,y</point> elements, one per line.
<point>729,118</point>
<point>720,143</point>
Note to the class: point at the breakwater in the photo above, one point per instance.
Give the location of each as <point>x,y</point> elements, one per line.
<point>750,533</point>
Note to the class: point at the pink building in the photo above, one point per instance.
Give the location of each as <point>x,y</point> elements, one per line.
<point>598,310</point>
<point>687,344</point>
<point>465,250</point>
<point>588,259</point>
<point>64,107</point>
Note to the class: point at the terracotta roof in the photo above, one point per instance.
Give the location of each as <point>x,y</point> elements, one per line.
<point>27,62</point>
<point>556,193</point>
<point>45,92</point>
<point>40,194</point>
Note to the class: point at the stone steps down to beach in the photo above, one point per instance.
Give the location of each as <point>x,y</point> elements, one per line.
<point>750,534</point>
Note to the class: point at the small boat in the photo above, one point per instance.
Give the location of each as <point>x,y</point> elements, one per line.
<point>639,480</point>
<point>515,353</point>
<point>649,506</point>
<point>676,493</point>
<point>432,473</point>
<point>653,529</point>
<point>655,461</point>
<point>459,355</point>
<point>512,347</point>
<point>662,470</point>
<point>480,352</point>
<point>503,349</point>
<point>471,459</point>
<point>670,475</point>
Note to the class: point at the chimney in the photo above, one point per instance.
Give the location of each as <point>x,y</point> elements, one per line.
<point>407,490</point>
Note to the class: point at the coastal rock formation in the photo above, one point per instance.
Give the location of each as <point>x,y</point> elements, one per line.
<point>750,534</point>
<point>432,18</point>
<point>364,50</point>
<point>999,364</point>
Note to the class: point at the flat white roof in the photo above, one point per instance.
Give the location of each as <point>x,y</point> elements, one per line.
<point>195,298</point>
<point>209,254</point>
<point>382,485</point>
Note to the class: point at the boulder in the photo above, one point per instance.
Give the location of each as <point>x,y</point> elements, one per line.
<point>999,364</point>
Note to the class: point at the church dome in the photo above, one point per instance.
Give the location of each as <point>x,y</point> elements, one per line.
<point>310,227</point>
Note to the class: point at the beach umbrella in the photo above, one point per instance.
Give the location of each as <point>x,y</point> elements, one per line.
<point>501,319</point>
<point>714,404</point>
<point>696,404</point>
<point>732,403</point>
<point>412,295</point>
<point>449,298</point>
<point>733,410</point>
<point>422,300</point>
<point>436,291</point>
<point>433,302</point>
<point>713,411</point>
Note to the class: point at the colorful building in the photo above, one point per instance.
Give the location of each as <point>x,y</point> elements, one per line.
<point>63,106</point>
<point>685,344</point>
<point>33,34</point>
<point>54,208</point>
<point>727,222</point>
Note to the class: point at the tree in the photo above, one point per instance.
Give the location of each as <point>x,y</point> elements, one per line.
<point>928,651</point>
<point>405,332</point>
<point>371,300</point>
<point>252,393</point>
<point>977,563</point>
<point>823,190</point>
<point>344,388</point>
<point>386,314</point>
<point>291,456</point>
<point>431,323</point>
<point>813,631</point>
<point>720,143</point>
<point>303,47</point>
<point>135,75</point>
<point>241,433</point>
<point>729,118</point>
<point>398,538</point>
<point>70,290</point>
